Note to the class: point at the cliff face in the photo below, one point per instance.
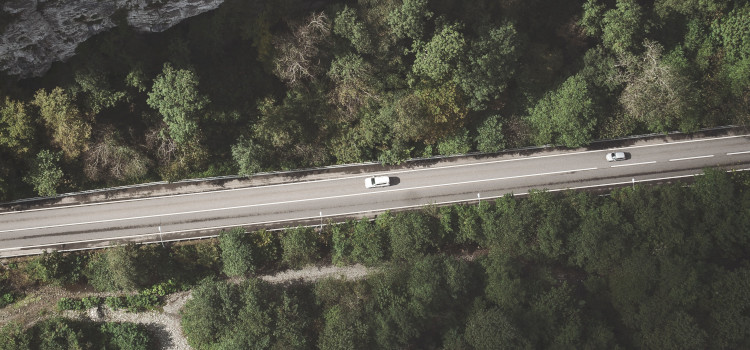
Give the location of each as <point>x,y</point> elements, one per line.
<point>44,31</point>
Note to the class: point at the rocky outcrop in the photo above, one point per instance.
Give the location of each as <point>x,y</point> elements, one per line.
<point>40,32</point>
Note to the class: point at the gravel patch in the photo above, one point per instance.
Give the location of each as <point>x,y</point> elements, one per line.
<point>164,324</point>
<point>313,273</point>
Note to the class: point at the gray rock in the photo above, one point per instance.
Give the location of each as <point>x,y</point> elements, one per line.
<point>45,31</point>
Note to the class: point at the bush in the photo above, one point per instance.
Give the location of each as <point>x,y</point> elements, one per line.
<point>60,333</point>
<point>299,247</point>
<point>13,337</point>
<point>125,336</point>
<point>142,302</point>
<point>126,267</point>
<point>56,268</point>
<point>90,302</point>
<point>115,303</point>
<point>236,252</point>
<point>412,235</point>
<point>163,288</point>
<point>7,299</point>
<point>70,304</point>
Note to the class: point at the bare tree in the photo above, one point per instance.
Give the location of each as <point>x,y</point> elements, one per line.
<point>110,159</point>
<point>656,92</point>
<point>299,53</point>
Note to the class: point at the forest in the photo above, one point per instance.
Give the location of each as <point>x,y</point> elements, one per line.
<point>662,267</point>
<point>271,85</point>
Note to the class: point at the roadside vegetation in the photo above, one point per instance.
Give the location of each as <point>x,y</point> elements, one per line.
<point>650,267</point>
<point>61,333</point>
<point>268,85</point>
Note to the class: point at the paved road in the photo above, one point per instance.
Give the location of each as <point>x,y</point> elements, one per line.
<point>98,224</point>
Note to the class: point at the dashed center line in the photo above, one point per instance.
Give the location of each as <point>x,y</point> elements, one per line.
<point>733,153</point>
<point>621,165</point>
<point>291,201</point>
<point>688,158</point>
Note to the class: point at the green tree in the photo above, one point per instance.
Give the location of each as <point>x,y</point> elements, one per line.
<point>70,130</point>
<point>490,135</point>
<point>557,320</point>
<point>728,307</point>
<point>355,84</point>
<point>59,333</point>
<point>125,267</point>
<point>730,31</point>
<point>623,27</point>
<point>347,26</point>
<point>566,115</point>
<point>255,322</point>
<point>236,252</point>
<point>98,95</point>
<point>591,20</point>
<point>291,324</point>
<point>248,155</point>
<point>126,336</point>
<point>343,330</point>
<point>208,316</point>
<point>13,337</point>
<point>410,19</point>
<point>175,95</point>
<point>437,59</point>
<point>45,174</point>
<point>491,328</point>
<point>299,247</point>
<point>358,242</point>
<point>599,243</point>
<point>456,144</point>
<point>56,268</point>
<point>16,128</point>
<point>412,235</point>
<point>489,65</point>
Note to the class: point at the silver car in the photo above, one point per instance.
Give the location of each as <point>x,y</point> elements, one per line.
<point>615,156</point>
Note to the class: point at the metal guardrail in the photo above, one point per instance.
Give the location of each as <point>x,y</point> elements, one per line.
<point>337,166</point>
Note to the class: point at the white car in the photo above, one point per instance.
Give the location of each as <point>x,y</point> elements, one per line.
<point>615,156</point>
<point>377,181</point>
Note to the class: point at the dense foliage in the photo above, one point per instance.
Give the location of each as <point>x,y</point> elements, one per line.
<point>59,333</point>
<point>652,268</point>
<point>268,85</point>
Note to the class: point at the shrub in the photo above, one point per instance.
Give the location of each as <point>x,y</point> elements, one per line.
<point>7,299</point>
<point>163,288</point>
<point>299,247</point>
<point>70,304</point>
<point>90,302</point>
<point>412,235</point>
<point>142,302</point>
<point>115,302</point>
<point>56,268</point>
<point>236,252</point>
<point>125,336</point>
<point>13,337</point>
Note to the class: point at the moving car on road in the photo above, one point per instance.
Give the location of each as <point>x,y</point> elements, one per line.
<point>377,181</point>
<point>615,156</point>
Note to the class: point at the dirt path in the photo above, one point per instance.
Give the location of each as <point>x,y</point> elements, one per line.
<point>164,324</point>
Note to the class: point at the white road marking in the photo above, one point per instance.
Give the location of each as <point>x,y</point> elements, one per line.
<point>288,202</point>
<point>333,215</point>
<point>377,173</point>
<point>733,153</point>
<point>622,165</point>
<point>688,158</point>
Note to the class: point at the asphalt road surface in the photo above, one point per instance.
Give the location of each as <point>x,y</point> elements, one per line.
<point>311,201</point>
